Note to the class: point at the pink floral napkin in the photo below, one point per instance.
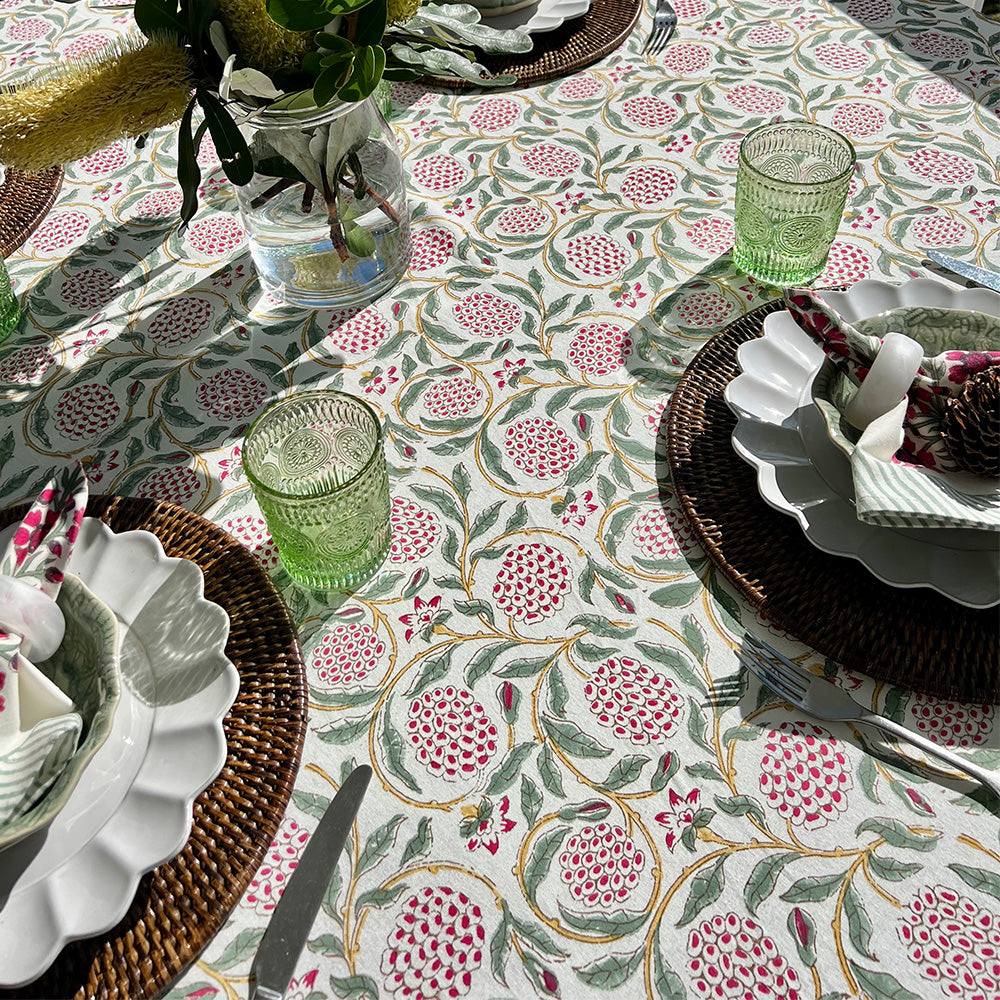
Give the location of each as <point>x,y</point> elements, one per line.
<point>39,730</point>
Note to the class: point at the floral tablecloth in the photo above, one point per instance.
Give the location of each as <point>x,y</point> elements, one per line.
<point>577,790</point>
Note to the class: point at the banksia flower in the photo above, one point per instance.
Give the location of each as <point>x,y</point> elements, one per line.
<point>129,89</point>
<point>260,42</point>
<point>400,11</point>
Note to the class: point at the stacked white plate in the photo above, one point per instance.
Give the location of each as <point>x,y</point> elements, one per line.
<point>802,473</point>
<point>131,810</point>
<point>533,16</point>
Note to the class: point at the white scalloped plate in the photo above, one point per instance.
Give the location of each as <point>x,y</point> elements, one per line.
<point>545,15</point>
<point>132,807</point>
<point>802,473</point>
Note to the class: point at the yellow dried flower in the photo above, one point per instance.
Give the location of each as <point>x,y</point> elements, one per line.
<point>260,42</point>
<point>400,11</point>
<point>127,89</point>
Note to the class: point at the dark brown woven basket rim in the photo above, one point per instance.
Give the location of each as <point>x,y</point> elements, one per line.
<point>180,905</point>
<point>575,44</point>
<point>25,200</point>
<point>912,637</point>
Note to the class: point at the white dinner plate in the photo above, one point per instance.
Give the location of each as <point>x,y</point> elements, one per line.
<point>132,807</point>
<point>800,472</point>
<point>545,15</point>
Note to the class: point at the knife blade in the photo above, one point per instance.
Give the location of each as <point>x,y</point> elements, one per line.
<point>974,273</point>
<point>292,919</point>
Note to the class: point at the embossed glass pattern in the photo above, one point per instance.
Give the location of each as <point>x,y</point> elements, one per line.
<point>316,464</point>
<point>790,194</point>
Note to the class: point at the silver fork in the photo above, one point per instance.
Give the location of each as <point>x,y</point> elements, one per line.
<point>664,23</point>
<point>826,701</point>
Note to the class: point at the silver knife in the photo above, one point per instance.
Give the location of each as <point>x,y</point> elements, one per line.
<point>293,917</point>
<point>975,274</point>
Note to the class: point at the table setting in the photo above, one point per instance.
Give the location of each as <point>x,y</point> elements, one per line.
<point>500,500</point>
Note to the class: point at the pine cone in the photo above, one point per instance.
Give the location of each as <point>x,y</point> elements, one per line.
<point>971,424</point>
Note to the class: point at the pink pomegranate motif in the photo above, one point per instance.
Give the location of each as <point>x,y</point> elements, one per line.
<point>845,265</point>
<point>347,655</point>
<point>179,320</point>
<point>702,309</point>
<point>282,859</point>
<point>410,94</point>
<point>454,397</point>
<point>634,701</point>
<point>415,531</point>
<point>431,248</point>
<point>687,57</point>
<point>690,10</point>
<point>655,424</point>
<point>805,775</point>
<point>580,87</point>
<point>158,203</point>
<point>712,234</point>
<point>488,315</point>
<point>532,582</point>
<point>648,112</point>
<point>649,185</point>
<point>60,229</point>
<point>936,91</point>
<point>551,160</point>
<point>520,220</point>
<point>869,11</point>
<point>954,724</point>
<point>840,57</point>
<point>453,736</point>
<point>89,290</point>
<point>28,29</point>
<point>602,866</point>
<point>858,120</point>
<point>756,99</point>
<point>940,230</point>
<point>600,348</point>
<point>954,941</point>
<point>939,45</point>
<point>729,153</point>
<point>231,394</point>
<point>662,534</point>
<point>215,236</point>
<point>86,45</point>
<point>252,534</point>
<point>104,161</point>
<point>494,113</point>
<point>438,172</point>
<point>731,958</point>
<point>26,365</point>
<point>597,254</point>
<point>539,448</point>
<point>937,165</point>
<point>435,946</point>
<point>86,410</point>
<point>178,485</point>
<point>767,34</point>
<point>356,331</point>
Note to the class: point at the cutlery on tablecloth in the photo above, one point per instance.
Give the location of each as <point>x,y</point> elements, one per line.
<point>826,701</point>
<point>292,919</point>
<point>973,274</point>
<point>664,24</point>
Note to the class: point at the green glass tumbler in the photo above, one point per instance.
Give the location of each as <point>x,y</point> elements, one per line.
<point>10,310</point>
<point>316,464</point>
<point>791,188</point>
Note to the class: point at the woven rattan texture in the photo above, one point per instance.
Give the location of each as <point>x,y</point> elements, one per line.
<point>912,637</point>
<point>24,201</point>
<point>180,905</point>
<point>576,43</point>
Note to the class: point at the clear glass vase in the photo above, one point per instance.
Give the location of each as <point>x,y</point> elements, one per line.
<point>326,211</point>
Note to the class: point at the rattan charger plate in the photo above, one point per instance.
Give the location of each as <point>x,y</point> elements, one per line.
<point>181,904</point>
<point>25,199</point>
<point>915,638</point>
<point>575,44</point>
